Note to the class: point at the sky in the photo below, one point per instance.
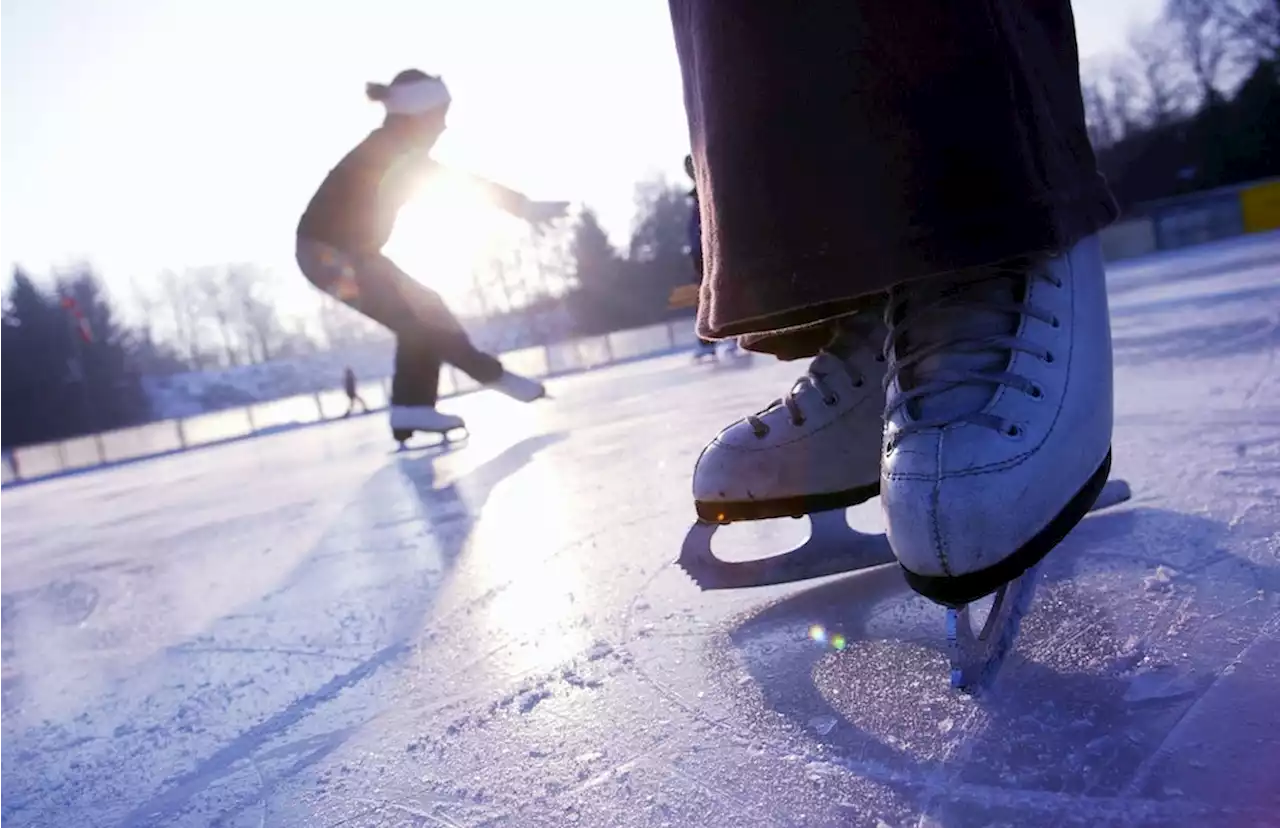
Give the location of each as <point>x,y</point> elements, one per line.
<point>143,135</point>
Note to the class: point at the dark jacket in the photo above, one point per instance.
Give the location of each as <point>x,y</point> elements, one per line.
<point>355,208</point>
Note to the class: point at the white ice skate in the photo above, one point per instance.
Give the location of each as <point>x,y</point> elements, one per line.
<point>999,415</point>
<point>972,357</point>
<point>735,351</point>
<point>406,420</point>
<point>518,387</point>
<point>813,453</point>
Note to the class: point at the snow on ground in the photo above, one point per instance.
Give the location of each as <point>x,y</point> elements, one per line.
<point>192,393</point>
<point>306,630</point>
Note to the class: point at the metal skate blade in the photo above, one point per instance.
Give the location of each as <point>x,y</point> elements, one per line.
<point>832,548</point>
<point>976,656</point>
<point>445,439</point>
<point>1113,493</point>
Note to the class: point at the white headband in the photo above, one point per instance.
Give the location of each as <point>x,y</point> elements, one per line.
<point>416,97</point>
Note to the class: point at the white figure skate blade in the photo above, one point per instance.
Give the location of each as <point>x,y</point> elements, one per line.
<point>426,440</point>
<point>977,655</point>
<point>833,548</point>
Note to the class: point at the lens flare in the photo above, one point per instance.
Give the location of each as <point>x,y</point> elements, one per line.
<point>819,634</point>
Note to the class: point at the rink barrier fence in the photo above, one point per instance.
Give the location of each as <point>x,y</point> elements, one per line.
<point>1157,226</point>
<point>1186,221</point>
<point>164,437</point>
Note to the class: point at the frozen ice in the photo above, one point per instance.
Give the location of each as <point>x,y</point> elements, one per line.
<point>307,630</point>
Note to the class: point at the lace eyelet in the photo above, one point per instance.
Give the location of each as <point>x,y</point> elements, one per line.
<point>830,401</point>
<point>1048,357</point>
<point>859,382</point>
<point>1013,431</point>
<point>761,432</point>
<point>1035,392</point>
<point>798,421</point>
<point>1057,323</point>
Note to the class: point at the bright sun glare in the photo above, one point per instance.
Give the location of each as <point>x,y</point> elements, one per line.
<point>445,232</point>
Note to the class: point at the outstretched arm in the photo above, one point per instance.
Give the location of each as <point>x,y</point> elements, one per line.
<point>505,198</point>
<point>518,204</point>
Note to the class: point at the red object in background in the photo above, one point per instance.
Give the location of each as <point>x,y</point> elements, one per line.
<point>71,306</point>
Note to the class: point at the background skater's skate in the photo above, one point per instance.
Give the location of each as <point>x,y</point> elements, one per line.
<point>408,420</point>
<point>519,387</point>
<point>735,351</point>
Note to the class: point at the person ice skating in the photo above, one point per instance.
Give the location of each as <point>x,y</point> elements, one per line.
<point>905,194</point>
<point>706,347</point>
<point>350,219</point>
<point>353,395</point>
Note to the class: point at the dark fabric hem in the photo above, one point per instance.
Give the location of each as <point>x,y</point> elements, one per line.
<point>795,291</point>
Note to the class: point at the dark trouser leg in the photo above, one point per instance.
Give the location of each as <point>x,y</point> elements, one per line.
<point>844,146</point>
<point>417,377</point>
<point>427,332</point>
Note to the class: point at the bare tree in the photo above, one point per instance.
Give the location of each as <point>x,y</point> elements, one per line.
<point>295,340</point>
<point>1211,43</point>
<point>147,304</point>
<point>215,307</point>
<point>252,311</point>
<point>1256,26</point>
<point>1162,85</point>
<point>340,325</point>
<point>1113,100</point>
<point>179,294</point>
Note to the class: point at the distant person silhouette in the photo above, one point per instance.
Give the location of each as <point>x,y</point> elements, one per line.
<point>353,396</point>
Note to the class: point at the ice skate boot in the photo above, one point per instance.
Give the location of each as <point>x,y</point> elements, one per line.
<point>518,387</point>
<point>705,350</point>
<point>735,351</point>
<point>406,420</point>
<point>814,452</point>
<point>998,432</point>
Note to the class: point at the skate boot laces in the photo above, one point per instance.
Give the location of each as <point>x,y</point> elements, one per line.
<point>814,383</point>
<point>951,340</point>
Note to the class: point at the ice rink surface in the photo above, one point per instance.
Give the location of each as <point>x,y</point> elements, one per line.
<point>308,630</point>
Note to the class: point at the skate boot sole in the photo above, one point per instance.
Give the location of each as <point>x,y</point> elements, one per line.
<point>958,590</point>
<point>833,548</point>
<point>402,436</point>
<point>732,511</point>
